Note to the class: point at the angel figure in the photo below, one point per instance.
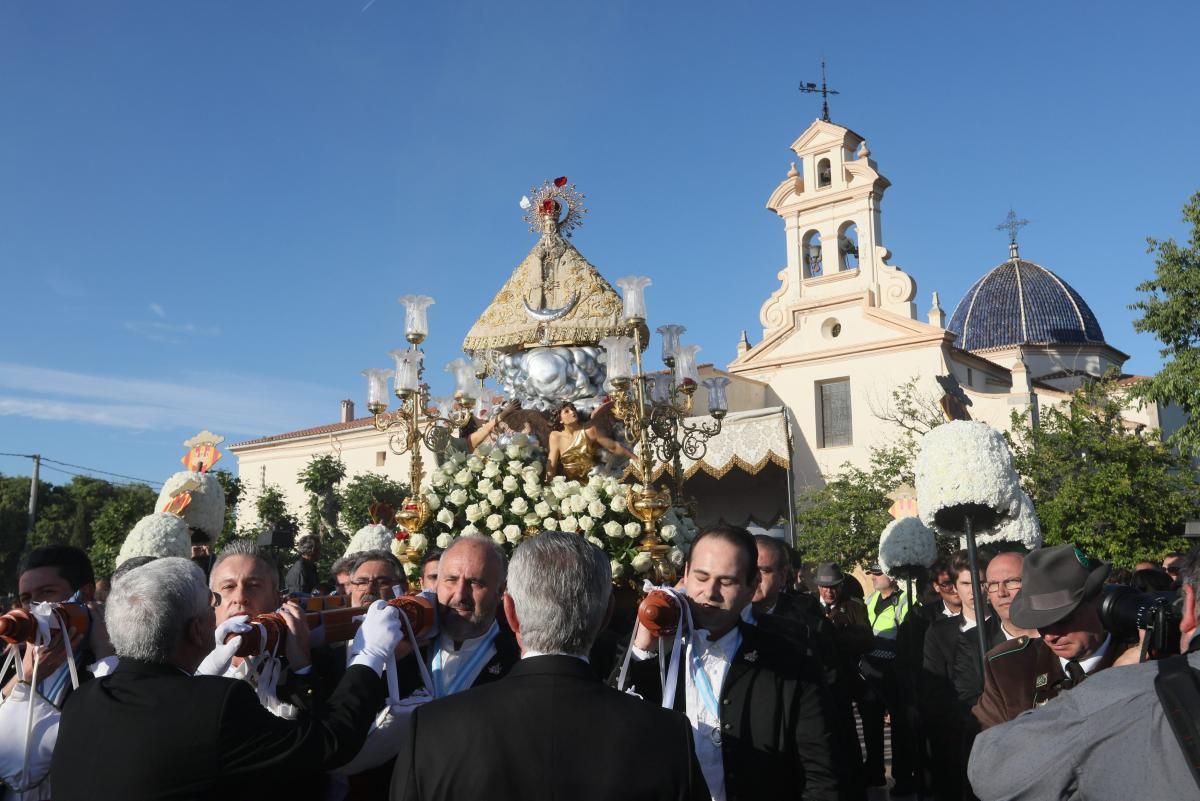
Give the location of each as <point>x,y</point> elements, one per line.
<point>573,448</point>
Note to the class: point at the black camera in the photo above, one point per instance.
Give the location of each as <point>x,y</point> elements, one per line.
<point>1124,612</point>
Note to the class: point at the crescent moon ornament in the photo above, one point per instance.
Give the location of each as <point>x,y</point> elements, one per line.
<point>549,315</point>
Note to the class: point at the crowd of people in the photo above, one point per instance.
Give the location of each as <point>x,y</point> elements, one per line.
<point>531,680</point>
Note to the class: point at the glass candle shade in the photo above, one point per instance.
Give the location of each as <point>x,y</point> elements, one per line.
<point>718,404</point>
<point>660,387</point>
<point>408,370</point>
<point>685,365</point>
<point>465,383</point>
<point>377,391</point>
<point>670,341</point>
<point>633,292</point>
<point>618,357</point>
<point>416,317</point>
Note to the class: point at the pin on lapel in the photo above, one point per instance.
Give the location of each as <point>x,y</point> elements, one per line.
<point>751,656</point>
<point>494,670</point>
<point>1042,680</point>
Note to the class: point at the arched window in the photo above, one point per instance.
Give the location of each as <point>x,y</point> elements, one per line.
<point>848,247</point>
<point>811,252</point>
<point>824,173</point>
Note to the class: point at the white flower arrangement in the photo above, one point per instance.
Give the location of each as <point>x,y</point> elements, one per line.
<point>906,543</point>
<point>1023,528</point>
<point>206,511</point>
<point>159,534</point>
<point>966,466</point>
<point>499,491</point>
<point>371,537</point>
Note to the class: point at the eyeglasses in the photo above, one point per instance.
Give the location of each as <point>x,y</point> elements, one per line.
<point>1010,584</point>
<point>944,585</point>
<point>1172,570</point>
<point>381,581</point>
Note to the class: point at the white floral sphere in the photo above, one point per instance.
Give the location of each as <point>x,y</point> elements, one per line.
<point>1023,528</point>
<point>207,508</point>
<point>159,534</point>
<point>906,542</point>
<point>373,537</point>
<point>965,464</point>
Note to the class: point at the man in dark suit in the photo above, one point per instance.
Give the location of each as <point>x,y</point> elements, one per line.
<point>550,730</point>
<point>152,730</point>
<point>759,713</point>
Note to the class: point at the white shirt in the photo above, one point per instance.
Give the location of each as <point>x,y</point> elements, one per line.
<point>453,660</point>
<point>715,657</point>
<point>530,653</point>
<point>1092,661</point>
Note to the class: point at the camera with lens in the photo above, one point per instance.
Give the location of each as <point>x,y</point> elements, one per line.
<point>1125,612</point>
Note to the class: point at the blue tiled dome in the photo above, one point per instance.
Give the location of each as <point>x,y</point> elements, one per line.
<point>1022,303</point>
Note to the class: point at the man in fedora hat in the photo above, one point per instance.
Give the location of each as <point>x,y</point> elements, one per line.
<point>1059,597</point>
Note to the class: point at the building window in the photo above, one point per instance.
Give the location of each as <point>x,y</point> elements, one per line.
<point>824,174</point>
<point>811,247</point>
<point>380,458</point>
<point>970,377</point>
<point>834,408</point>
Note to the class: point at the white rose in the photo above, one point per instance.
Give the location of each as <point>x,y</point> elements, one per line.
<point>484,486</point>
<point>586,523</point>
<point>531,476</point>
<point>468,531</point>
<point>613,530</point>
<point>444,541</point>
<point>446,518</point>
<point>438,479</point>
<point>418,542</point>
<point>590,493</point>
<point>514,468</point>
<point>519,506</point>
<point>633,530</point>
<point>509,484</point>
<point>494,522</point>
<point>550,524</point>
<point>560,488</point>
<point>612,487</point>
<point>498,537</point>
<point>473,513</point>
<point>532,491</point>
<point>514,451</point>
<point>667,533</point>
<point>579,504</point>
<point>676,557</point>
<point>596,509</point>
<point>496,498</point>
<point>642,562</point>
<point>485,507</point>
<point>475,464</point>
<point>463,477</point>
<point>619,504</point>
<point>617,568</point>
<point>458,497</point>
<point>491,471</point>
<point>569,523</point>
<point>595,542</point>
<point>532,519</point>
<point>512,533</point>
<point>434,502</point>
<point>542,508</point>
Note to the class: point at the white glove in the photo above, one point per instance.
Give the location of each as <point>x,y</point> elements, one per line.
<point>218,660</point>
<point>377,637</point>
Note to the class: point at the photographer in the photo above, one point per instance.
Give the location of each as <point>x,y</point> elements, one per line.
<point>1108,738</point>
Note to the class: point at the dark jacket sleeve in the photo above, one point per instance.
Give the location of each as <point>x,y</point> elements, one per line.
<point>252,739</point>
<point>812,741</point>
<point>854,634</point>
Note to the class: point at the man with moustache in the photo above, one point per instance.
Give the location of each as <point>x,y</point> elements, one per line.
<point>759,715</point>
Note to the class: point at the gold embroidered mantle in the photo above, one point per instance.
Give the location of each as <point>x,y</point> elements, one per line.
<point>552,276</point>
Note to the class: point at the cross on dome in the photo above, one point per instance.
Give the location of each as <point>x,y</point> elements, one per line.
<point>1012,225</point>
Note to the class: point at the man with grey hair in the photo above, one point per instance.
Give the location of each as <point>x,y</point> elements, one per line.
<point>169,734</point>
<point>564,730</point>
<point>1109,737</point>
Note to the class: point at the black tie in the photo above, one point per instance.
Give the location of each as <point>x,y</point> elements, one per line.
<point>1075,673</point>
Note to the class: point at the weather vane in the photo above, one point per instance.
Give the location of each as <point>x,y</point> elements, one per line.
<point>812,88</point>
<point>1012,225</point>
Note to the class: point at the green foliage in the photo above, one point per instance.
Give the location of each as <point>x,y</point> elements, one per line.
<point>1171,311</point>
<point>233,487</point>
<point>320,478</point>
<point>362,491</point>
<point>271,507</point>
<point>1118,494</point>
<point>114,521</point>
<point>14,518</point>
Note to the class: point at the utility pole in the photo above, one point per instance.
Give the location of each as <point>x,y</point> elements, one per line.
<point>33,498</point>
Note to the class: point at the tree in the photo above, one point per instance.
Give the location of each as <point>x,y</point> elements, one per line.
<point>362,491</point>
<point>1117,493</point>
<point>320,478</point>
<point>1171,311</point>
<point>233,487</point>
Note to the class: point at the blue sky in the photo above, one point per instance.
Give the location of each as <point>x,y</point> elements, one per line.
<point>208,209</point>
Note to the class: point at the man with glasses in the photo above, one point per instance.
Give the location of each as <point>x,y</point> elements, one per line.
<point>1172,563</point>
<point>1060,597</point>
<point>374,576</point>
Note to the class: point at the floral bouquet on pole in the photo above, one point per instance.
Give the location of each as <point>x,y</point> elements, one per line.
<point>966,486</point>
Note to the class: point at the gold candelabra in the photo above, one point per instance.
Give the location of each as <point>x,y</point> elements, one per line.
<point>416,421</point>
<point>655,409</point>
